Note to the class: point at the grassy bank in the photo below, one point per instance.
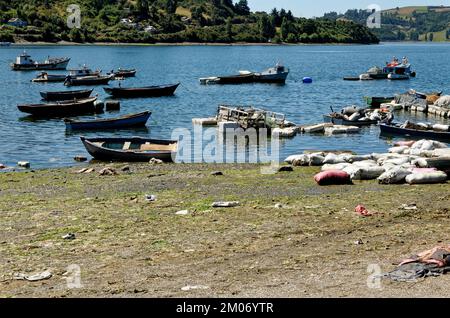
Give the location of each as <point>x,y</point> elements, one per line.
<point>126,246</point>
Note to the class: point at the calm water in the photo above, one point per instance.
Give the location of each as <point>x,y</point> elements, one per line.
<point>46,143</point>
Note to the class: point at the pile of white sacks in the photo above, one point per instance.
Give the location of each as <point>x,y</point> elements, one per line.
<point>410,162</point>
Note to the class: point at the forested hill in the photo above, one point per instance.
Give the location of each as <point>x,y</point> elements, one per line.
<point>149,21</point>
<point>419,23</point>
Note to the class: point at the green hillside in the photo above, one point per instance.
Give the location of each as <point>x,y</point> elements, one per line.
<point>149,21</point>
<point>415,23</point>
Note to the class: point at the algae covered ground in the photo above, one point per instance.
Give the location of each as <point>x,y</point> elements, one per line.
<point>288,237</point>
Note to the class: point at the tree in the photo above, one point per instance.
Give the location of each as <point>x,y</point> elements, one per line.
<point>285,28</point>
<point>142,7</point>
<point>171,6</point>
<point>275,17</point>
<point>431,37</point>
<point>242,7</point>
<point>229,28</point>
<point>266,29</point>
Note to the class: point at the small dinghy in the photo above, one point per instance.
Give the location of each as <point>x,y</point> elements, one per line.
<point>44,77</point>
<point>122,73</point>
<point>130,149</point>
<point>414,131</point>
<point>66,95</point>
<point>88,80</point>
<point>148,91</point>
<point>127,121</point>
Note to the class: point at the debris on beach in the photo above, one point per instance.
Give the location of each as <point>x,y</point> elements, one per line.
<point>33,278</point>
<point>217,173</point>
<point>182,212</point>
<point>69,236</point>
<point>108,171</point>
<point>150,197</point>
<point>193,287</point>
<point>361,210</point>
<point>80,158</point>
<point>419,162</point>
<point>155,161</point>
<point>225,204</point>
<point>285,169</point>
<point>433,262</point>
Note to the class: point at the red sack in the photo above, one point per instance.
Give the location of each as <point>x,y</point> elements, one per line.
<point>332,177</point>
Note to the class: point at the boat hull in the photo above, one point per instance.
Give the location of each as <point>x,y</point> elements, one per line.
<point>66,95</point>
<point>87,81</point>
<point>109,154</point>
<point>81,107</point>
<point>375,102</point>
<point>134,120</point>
<point>60,65</point>
<point>413,133</point>
<point>341,121</point>
<point>151,91</point>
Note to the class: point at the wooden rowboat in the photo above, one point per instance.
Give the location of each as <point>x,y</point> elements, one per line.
<point>87,80</point>
<point>148,91</point>
<point>397,130</point>
<point>130,149</point>
<point>57,109</point>
<point>66,95</point>
<point>342,121</point>
<point>132,120</point>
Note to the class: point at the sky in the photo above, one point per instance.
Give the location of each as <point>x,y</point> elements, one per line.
<point>316,8</point>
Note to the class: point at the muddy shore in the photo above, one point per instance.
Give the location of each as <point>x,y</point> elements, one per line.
<point>288,237</point>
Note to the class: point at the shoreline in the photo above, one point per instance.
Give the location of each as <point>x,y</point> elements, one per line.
<point>65,43</point>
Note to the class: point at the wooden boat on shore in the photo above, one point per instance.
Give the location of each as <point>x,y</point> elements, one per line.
<point>44,77</point>
<point>130,149</point>
<point>127,121</point>
<point>397,129</point>
<point>25,63</point>
<point>57,109</point>
<point>148,91</point>
<point>87,80</point>
<point>66,95</point>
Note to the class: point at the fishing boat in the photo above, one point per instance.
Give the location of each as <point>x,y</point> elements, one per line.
<point>123,73</point>
<point>148,91</point>
<point>25,63</point>
<point>130,149</point>
<point>399,71</point>
<point>57,109</point>
<point>376,101</point>
<point>277,74</point>
<point>45,77</point>
<point>87,80</point>
<point>132,120</point>
<point>398,129</point>
<point>66,95</point>
<point>83,71</point>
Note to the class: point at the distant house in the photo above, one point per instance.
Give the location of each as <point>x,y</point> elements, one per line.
<point>129,23</point>
<point>150,29</point>
<point>16,22</point>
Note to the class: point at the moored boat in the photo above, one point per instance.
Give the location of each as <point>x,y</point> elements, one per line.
<point>397,129</point>
<point>131,120</point>
<point>66,95</point>
<point>83,71</point>
<point>277,74</point>
<point>25,63</point>
<point>45,77</point>
<point>130,149</point>
<point>123,73</point>
<point>148,91</point>
<point>87,80</point>
<point>57,109</point>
